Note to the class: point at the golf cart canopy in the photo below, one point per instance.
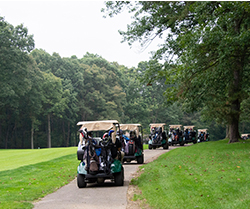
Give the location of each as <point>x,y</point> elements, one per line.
<point>102,125</point>
<point>131,127</point>
<point>202,130</point>
<point>188,127</point>
<point>175,126</point>
<point>157,125</point>
<point>247,135</point>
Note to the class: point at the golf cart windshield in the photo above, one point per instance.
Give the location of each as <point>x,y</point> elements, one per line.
<point>202,130</point>
<point>175,126</point>
<point>156,125</point>
<point>188,127</point>
<point>131,127</point>
<point>103,125</point>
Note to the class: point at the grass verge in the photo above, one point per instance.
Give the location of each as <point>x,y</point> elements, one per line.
<point>145,146</point>
<point>20,186</point>
<point>205,175</point>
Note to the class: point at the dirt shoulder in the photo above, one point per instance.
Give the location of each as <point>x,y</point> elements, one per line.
<point>132,190</point>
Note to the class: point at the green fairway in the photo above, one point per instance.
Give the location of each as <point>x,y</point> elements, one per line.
<point>15,158</point>
<point>27,175</point>
<point>205,175</point>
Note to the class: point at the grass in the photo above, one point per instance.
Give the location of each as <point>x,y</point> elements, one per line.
<point>205,175</point>
<point>145,146</point>
<point>11,159</point>
<point>28,175</point>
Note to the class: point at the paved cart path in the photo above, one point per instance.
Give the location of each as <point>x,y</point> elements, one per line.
<point>96,196</point>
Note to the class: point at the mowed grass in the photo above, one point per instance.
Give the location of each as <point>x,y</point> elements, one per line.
<point>14,158</point>
<point>205,175</point>
<point>27,175</point>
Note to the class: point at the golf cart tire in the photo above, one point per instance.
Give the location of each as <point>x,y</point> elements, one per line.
<point>119,178</point>
<point>140,159</point>
<point>149,146</point>
<point>182,143</point>
<point>165,146</point>
<point>195,141</point>
<point>154,147</point>
<point>81,183</point>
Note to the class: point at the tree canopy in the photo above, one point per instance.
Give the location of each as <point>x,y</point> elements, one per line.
<point>43,96</point>
<point>205,55</point>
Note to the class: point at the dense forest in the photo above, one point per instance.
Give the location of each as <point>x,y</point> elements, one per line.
<point>43,96</point>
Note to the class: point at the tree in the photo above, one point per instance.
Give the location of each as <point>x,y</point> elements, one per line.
<point>103,94</point>
<point>15,44</point>
<point>53,100</point>
<point>206,53</point>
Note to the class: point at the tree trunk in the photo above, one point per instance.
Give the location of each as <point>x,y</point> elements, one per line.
<point>32,134</point>
<point>234,131</point>
<point>235,105</point>
<point>49,132</point>
<point>64,143</point>
<point>227,131</point>
<point>68,135</point>
<point>6,138</point>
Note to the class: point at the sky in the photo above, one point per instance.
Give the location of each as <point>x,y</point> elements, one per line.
<point>75,28</point>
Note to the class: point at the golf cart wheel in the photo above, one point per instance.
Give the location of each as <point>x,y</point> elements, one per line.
<point>119,178</point>
<point>182,143</point>
<point>195,141</point>
<point>81,183</point>
<point>149,146</point>
<point>154,147</point>
<point>140,159</point>
<point>165,146</point>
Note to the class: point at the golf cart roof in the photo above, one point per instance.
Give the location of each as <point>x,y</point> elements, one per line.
<point>242,135</point>
<point>157,124</point>
<point>188,127</point>
<point>175,126</point>
<point>98,125</point>
<point>202,130</point>
<point>131,127</point>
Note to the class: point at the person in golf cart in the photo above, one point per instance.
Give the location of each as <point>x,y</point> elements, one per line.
<point>137,141</point>
<point>100,156</point>
<point>190,134</point>
<point>132,145</point>
<point>245,136</point>
<point>176,136</point>
<point>157,137</point>
<point>203,135</point>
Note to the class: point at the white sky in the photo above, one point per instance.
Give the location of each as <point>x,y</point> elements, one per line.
<point>74,28</point>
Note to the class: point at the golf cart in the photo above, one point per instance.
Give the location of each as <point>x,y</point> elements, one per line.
<point>176,135</point>
<point>245,136</point>
<point>132,144</point>
<point>190,134</point>
<point>157,137</point>
<point>203,135</point>
<point>100,156</point>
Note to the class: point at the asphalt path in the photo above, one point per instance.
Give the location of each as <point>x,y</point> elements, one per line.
<point>94,196</point>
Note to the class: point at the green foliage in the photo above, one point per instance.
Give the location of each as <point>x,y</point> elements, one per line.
<point>41,104</point>
<point>205,50</point>
<point>205,175</point>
